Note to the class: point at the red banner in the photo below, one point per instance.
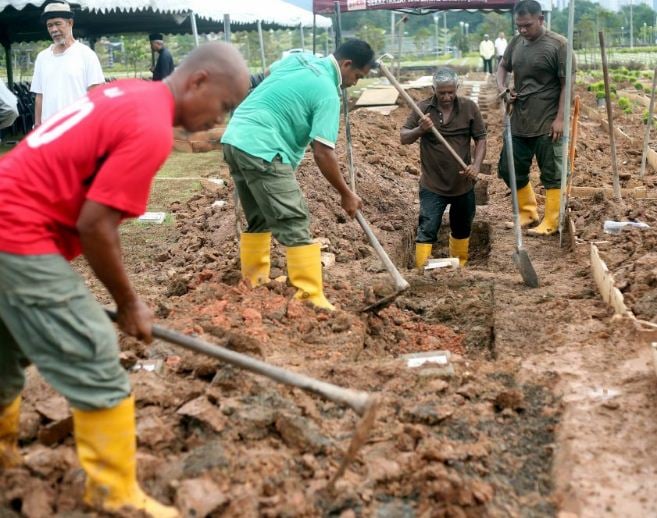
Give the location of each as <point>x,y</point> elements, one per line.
<point>327,6</point>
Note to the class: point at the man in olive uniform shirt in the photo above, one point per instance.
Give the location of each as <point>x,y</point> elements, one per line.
<point>297,104</point>
<point>443,182</point>
<point>537,58</point>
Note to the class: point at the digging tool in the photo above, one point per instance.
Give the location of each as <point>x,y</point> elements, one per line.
<point>400,283</point>
<point>568,86</point>
<point>409,100</point>
<point>572,147</point>
<point>646,133</point>
<point>520,255</point>
<point>363,403</point>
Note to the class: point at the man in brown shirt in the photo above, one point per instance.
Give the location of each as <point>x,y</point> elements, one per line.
<point>537,58</point>
<point>443,182</point>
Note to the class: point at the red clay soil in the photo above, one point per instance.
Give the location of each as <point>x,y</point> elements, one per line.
<point>480,441</point>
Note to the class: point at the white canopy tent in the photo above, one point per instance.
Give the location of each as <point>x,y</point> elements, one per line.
<point>19,19</point>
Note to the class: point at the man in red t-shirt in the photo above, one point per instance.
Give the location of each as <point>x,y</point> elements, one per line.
<point>64,191</point>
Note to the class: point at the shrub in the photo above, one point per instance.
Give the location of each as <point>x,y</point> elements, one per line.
<point>638,86</point>
<point>599,95</point>
<point>624,103</point>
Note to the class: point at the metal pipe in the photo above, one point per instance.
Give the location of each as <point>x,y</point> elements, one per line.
<point>261,41</point>
<point>192,18</point>
<point>227,28</point>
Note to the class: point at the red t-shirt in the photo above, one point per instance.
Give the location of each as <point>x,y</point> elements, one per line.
<point>107,147</point>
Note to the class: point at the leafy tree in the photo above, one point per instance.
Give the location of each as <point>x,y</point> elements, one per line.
<point>373,35</point>
<point>421,39</point>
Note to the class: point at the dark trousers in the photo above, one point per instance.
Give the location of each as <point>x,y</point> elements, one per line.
<point>548,155</point>
<point>432,207</point>
<point>488,65</point>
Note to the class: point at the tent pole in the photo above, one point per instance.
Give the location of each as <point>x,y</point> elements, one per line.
<point>10,64</point>
<point>227,28</point>
<point>192,18</point>
<point>262,47</point>
<point>338,24</point>
<point>314,33</point>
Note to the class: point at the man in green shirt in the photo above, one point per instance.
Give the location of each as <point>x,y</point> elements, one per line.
<point>296,105</point>
<point>537,58</point>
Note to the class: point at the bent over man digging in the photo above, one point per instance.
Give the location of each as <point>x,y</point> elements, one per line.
<point>64,190</point>
<point>443,182</point>
<point>537,58</point>
<point>297,104</point>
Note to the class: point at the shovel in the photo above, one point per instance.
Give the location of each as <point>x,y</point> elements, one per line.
<point>363,403</point>
<point>520,255</point>
<point>400,283</point>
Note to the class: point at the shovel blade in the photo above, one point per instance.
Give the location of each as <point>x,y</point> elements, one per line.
<point>381,303</point>
<point>524,264</point>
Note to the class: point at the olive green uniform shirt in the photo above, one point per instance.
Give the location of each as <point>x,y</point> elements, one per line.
<point>440,171</point>
<point>538,67</point>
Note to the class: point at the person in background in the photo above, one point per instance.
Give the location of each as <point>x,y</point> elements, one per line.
<point>500,47</point>
<point>442,182</point>
<point>66,70</point>
<point>164,65</point>
<point>487,52</point>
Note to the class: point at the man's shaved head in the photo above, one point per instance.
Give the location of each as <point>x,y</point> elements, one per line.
<point>210,82</point>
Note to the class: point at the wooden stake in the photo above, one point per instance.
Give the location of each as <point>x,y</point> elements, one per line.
<point>646,134</point>
<point>610,117</point>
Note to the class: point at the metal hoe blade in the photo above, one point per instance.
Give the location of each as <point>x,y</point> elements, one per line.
<point>521,258</point>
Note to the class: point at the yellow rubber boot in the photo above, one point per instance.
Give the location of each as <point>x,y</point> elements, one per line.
<point>254,257</point>
<point>10,456</point>
<point>106,443</point>
<point>459,248</point>
<point>527,206</point>
<point>304,268</point>
<point>422,254</point>
<point>550,223</point>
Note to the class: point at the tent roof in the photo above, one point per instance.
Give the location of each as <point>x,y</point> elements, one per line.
<point>327,6</point>
<point>20,19</point>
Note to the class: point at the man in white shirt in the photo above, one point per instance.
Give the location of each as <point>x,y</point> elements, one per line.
<point>487,51</point>
<point>500,46</point>
<point>64,71</point>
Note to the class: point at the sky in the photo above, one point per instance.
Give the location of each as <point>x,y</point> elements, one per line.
<point>306,4</point>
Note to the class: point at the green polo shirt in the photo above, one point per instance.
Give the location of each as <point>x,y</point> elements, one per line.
<point>297,103</point>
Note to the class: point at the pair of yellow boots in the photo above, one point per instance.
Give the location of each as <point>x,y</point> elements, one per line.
<point>106,444</point>
<point>529,212</point>
<point>304,266</point>
<point>457,248</point>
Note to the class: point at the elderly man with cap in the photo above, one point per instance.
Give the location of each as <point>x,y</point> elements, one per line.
<point>442,182</point>
<point>64,191</point>
<point>64,71</point>
<point>164,65</point>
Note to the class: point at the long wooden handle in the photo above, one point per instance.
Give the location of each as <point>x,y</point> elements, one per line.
<point>400,283</point>
<point>417,110</point>
<point>357,400</point>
